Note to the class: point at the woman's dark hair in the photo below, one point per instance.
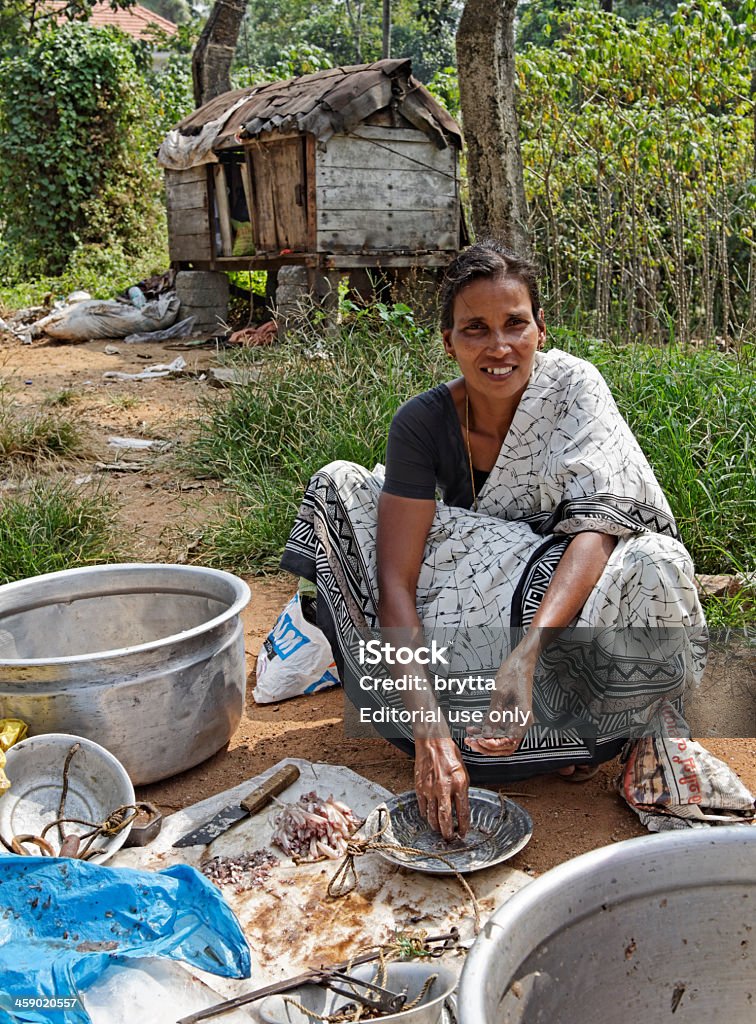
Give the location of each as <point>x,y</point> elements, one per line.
<point>486,259</point>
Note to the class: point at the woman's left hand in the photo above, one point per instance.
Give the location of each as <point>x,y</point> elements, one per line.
<point>510,713</point>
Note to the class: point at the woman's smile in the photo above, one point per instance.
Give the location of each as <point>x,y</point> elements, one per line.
<point>499,371</point>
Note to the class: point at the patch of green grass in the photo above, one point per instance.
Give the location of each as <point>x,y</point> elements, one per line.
<point>321,397</point>
<point>317,399</point>
<point>63,398</point>
<point>29,439</point>
<point>124,401</point>
<point>725,613</point>
<point>246,535</point>
<point>52,527</point>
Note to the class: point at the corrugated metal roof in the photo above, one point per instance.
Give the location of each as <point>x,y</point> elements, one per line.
<point>325,103</point>
<point>137,21</point>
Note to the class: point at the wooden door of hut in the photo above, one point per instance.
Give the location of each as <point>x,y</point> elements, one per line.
<point>279,195</point>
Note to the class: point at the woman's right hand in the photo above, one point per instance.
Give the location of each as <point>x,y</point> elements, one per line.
<point>441,784</point>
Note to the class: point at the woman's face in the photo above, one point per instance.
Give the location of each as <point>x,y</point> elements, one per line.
<point>495,336</point>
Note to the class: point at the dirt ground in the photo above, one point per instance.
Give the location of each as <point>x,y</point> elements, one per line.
<point>161,508</point>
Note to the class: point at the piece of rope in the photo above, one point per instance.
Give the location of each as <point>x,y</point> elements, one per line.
<point>344,879</point>
<point>64,791</point>
<point>116,821</point>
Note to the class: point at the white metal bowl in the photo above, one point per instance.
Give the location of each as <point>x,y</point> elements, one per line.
<point>97,785</point>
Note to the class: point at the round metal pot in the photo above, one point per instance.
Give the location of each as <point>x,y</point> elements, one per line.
<point>147,660</point>
<point>638,931</point>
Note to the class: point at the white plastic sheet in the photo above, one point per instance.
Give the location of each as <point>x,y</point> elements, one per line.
<point>180,152</point>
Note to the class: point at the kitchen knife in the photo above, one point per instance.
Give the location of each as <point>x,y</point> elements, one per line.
<point>251,804</point>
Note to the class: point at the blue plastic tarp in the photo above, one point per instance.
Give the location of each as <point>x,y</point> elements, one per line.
<point>63,922</point>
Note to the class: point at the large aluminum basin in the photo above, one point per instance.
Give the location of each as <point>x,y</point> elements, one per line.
<point>659,929</point>
<point>147,660</point>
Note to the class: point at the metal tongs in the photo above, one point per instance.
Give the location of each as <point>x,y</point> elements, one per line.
<point>440,944</point>
<point>384,1001</point>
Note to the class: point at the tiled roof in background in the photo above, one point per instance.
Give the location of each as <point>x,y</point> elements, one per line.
<point>137,21</point>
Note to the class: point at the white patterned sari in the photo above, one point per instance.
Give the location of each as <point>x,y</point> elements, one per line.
<point>569,463</point>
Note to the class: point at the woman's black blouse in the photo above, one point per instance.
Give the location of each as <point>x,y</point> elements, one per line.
<point>426,451</point>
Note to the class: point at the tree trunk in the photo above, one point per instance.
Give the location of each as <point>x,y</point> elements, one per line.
<point>486,65</point>
<point>386,48</point>
<point>214,53</point>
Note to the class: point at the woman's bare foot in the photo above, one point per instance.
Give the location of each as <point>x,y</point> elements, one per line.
<point>578,772</point>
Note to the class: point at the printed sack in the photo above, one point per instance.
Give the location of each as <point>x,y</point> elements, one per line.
<point>673,782</point>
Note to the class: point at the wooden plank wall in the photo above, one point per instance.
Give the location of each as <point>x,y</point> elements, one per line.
<point>385,189</point>
<point>186,197</point>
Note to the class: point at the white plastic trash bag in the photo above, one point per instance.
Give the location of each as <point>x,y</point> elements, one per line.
<point>88,321</point>
<point>295,658</point>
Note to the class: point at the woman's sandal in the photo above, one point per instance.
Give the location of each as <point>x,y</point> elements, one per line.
<point>580,773</point>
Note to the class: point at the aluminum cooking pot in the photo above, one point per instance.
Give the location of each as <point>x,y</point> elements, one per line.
<point>147,660</point>
<point>639,931</point>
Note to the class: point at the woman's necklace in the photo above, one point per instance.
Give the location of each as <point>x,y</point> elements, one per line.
<point>469,452</point>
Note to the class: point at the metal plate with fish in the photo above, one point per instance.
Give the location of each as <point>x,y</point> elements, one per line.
<point>499,828</point>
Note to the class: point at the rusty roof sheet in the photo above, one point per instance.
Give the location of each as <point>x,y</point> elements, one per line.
<point>325,103</point>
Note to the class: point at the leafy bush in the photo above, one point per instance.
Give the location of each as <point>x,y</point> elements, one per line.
<point>101,270</point>
<point>304,34</point>
<point>74,167</point>
<point>172,92</point>
<point>444,86</point>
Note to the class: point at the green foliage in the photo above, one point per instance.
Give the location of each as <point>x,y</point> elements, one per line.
<point>346,32</point>
<point>539,21</point>
<point>73,166</point>
<point>726,613</point>
<point>63,398</point>
<point>24,20</point>
<point>301,60</point>
<point>693,413</point>
<point>271,27</point>
<point>172,92</point>
<point>426,33</point>
<point>444,85</point>
<point>101,270</point>
<point>638,151</point>
<point>177,11</point>
<point>271,436</point>
<point>254,281</point>
<point>55,527</point>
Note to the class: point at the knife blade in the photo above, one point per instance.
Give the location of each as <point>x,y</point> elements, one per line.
<point>251,804</point>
